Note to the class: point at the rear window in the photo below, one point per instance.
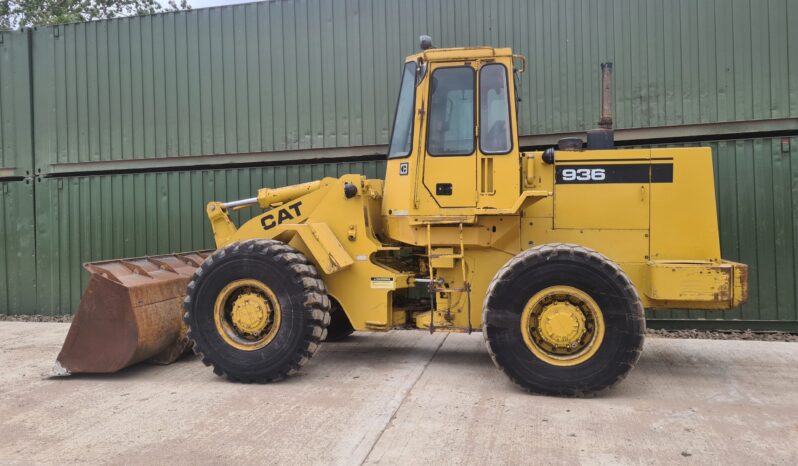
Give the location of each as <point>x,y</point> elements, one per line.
<point>494,110</point>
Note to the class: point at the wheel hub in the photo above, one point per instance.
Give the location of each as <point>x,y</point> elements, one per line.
<point>562,324</point>
<point>250,313</point>
<point>247,314</point>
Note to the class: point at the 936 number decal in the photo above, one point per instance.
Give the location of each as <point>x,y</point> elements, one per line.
<point>612,173</point>
<point>583,174</point>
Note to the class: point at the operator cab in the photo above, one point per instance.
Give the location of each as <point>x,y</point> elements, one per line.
<point>453,147</point>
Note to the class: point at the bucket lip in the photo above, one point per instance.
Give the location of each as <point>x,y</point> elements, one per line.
<point>59,371</point>
<point>164,267</point>
<point>204,253</point>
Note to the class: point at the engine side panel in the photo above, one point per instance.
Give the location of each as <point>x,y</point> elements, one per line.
<point>684,218</point>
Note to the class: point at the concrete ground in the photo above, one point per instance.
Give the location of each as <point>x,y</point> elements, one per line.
<point>399,398</point>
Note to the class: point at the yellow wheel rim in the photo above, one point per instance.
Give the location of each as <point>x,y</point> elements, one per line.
<point>562,326</point>
<point>247,314</point>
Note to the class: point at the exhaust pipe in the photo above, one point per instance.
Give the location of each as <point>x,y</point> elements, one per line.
<point>605,122</point>
<point>603,137</point>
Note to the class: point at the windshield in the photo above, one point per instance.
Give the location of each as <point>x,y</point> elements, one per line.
<point>402,135</point>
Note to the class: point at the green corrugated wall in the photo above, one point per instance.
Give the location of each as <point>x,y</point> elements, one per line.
<point>319,74</point>
<point>305,74</point>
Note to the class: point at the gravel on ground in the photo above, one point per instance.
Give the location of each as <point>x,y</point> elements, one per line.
<point>691,334</point>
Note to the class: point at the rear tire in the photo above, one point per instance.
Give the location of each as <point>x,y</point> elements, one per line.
<point>270,339</point>
<point>526,350</point>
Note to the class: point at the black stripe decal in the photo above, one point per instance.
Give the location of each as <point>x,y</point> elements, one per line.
<point>613,160</point>
<point>614,173</point>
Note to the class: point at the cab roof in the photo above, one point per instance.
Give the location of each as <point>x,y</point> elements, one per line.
<point>461,53</point>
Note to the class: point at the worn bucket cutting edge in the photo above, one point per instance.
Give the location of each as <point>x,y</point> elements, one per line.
<point>131,311</point>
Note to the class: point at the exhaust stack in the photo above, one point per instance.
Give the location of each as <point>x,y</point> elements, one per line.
<point>603,137</point>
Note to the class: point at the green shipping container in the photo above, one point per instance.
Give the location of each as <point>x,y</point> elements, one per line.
<point>126,107</point>
<point>318,74</point>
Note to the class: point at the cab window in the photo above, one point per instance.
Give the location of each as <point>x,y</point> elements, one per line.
<point>451,112</point>
<point>494,110</point>
<point>402,134</point>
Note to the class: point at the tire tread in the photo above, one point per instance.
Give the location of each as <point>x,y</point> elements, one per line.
<point>317,305</point>
<point>534,255</point>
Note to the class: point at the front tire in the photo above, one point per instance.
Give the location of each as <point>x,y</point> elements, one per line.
<point>256,311</point>
<point>561,319</point>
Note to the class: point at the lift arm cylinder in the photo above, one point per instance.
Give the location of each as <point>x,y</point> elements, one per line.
<point>268,197</point>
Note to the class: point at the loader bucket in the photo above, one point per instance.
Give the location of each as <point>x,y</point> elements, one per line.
<point>131,311</point>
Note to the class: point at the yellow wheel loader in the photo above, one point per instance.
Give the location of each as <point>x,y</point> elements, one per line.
<point>553,255</point>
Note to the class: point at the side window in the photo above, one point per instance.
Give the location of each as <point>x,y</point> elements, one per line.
<point>402,134</point>
<point>494,110</point>
<point>451,112</point>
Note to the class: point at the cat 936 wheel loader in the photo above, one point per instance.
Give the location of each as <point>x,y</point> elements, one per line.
<point>553,255</point>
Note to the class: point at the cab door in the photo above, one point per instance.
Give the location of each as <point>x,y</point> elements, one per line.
<point>450,166</point>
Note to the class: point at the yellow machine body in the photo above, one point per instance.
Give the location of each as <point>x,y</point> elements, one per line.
<point>652,211</point>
